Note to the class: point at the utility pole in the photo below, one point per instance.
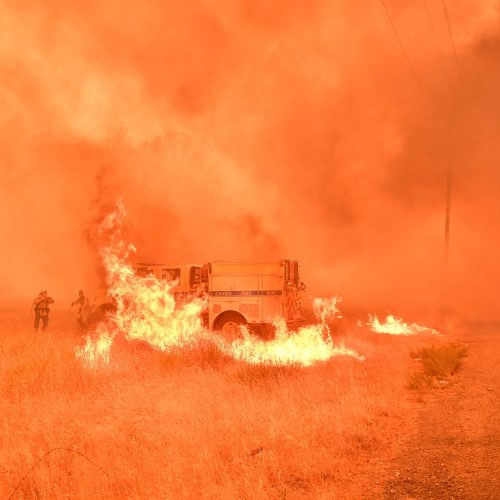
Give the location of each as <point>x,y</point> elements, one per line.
<point>454,90</point>
<point>446,307</point>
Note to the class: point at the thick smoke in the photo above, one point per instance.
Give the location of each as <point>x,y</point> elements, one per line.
<point>255,130</point>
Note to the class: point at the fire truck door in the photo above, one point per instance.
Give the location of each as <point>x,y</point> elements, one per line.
<point>248,297</point>
<point>272,298</point>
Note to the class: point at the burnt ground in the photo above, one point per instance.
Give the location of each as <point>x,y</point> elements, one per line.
<point>453,451</point>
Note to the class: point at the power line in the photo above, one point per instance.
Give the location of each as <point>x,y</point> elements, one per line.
<point>403,49</point>
<point>450,31</point>
<point>431,24</point>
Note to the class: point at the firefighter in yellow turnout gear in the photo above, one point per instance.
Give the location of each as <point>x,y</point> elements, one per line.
<point>41,309</point>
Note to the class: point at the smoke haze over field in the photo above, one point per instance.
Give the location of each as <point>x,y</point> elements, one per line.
<point>251,129</point>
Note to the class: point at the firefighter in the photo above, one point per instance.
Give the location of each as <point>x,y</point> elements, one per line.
<point>41,308</point>
<point>82,310</point>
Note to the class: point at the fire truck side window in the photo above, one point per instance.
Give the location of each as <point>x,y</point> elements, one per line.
<point>194,276</point>
<point>143,271</point>
<point>171,274</point>
<point>205,271</point>
<point>295,273</point>
<point>287,271</point>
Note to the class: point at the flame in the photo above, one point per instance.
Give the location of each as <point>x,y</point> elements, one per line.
<point>96,350</point>
<point>326,310</point>
<point>306,346</point>
<point>146,310</point>
<point>396,326</point>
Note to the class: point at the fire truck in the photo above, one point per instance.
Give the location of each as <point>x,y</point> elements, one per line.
<point>238,293</point>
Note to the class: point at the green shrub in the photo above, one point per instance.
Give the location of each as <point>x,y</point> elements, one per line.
<point>441,361</point>
<point>419,381</point>
<point>438,363</point>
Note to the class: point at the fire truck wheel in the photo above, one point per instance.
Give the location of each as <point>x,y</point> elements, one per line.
<point>229,326</point>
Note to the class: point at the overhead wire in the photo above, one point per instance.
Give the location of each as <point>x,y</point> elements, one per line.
<point>449,169</point>
<point>433,31</point>
<point>403,48</point>
<point>452,39</point>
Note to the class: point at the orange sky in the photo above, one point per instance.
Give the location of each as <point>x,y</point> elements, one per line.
<point>253,129</point>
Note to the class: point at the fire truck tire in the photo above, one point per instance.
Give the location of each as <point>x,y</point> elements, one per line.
<point>228,324</point>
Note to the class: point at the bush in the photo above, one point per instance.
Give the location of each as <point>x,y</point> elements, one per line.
<point>441,361</point>
<point>438,363</point>
<point>419,381</point>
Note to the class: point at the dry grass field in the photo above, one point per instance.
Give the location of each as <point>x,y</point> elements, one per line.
<point>195,423</point>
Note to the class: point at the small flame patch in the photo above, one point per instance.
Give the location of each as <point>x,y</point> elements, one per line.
<point>396,326</point>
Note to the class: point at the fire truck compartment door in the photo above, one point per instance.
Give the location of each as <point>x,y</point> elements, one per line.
<point>272,298</point>
<point>247,285</point>
<point>238,293</point>
<point>249,297</point>
<point>221,284</point>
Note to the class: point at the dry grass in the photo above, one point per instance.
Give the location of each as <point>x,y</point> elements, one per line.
<point>264,374</point>
<point>192,423</point>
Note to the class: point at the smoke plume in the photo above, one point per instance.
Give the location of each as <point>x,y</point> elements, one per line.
<point>256,130</point>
